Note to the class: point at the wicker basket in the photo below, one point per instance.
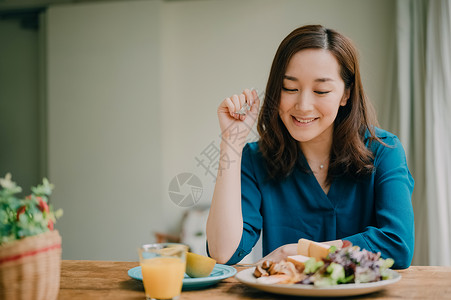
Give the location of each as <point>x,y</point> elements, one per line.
<point>30,268</point>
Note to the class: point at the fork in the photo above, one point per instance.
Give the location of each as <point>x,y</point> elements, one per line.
<point>247,265</point>
<point>244,109</point>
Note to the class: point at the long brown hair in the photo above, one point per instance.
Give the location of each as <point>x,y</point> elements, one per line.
<point>349,155</point>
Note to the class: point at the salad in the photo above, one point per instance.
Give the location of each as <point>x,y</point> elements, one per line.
<point>340,266</point>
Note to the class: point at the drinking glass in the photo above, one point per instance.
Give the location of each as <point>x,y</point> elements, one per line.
<point>163,268</point>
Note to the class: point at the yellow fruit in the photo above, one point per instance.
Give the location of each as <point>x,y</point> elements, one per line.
<point>199,265</point>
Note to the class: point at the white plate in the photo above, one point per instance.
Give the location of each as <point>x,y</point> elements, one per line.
<point>341,290</point>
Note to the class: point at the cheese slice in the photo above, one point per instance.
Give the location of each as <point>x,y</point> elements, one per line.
<point>318,250</point>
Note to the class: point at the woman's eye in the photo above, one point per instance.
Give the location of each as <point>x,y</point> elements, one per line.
<point>322,92</point>
<point>289,90</point>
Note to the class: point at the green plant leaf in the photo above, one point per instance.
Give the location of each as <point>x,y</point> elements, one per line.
<point>21,218</point>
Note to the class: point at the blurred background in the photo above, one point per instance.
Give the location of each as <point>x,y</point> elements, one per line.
<point>115,102</point>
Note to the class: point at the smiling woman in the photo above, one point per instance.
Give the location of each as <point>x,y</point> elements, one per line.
<point>312,93</point>
<point>322,169</point>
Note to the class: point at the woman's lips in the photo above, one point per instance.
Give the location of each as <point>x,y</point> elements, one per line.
<point>303,121</point>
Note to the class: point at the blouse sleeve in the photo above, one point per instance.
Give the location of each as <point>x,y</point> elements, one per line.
<point>394,234</point>
<point>250,207</point>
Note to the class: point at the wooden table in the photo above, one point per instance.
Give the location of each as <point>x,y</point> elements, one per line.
<point>109,280</point>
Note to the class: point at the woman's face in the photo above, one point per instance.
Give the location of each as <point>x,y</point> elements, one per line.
<point>311,95</point>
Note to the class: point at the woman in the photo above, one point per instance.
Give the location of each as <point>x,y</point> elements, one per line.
<point>321,170</point>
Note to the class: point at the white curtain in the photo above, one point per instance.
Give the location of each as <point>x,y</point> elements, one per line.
<point>438,128</point>
<point>418,109</point>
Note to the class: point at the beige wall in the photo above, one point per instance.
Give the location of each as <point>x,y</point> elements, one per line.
<point>104,126</point>
<point>133,92</point>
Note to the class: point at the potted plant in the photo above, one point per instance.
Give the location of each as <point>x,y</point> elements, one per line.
<point>30,248</point>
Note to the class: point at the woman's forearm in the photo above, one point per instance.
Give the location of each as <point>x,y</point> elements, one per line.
<point>225,220</point>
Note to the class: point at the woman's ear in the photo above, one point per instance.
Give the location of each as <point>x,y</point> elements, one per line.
<point>345,98</point>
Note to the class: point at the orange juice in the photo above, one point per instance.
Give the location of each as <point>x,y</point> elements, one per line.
<point>163,277</point>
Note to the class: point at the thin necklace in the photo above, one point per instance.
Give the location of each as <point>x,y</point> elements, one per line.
<point>322,165</point>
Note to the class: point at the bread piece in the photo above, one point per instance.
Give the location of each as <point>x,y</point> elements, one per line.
<point>298,261</point>
<point>273,279</point>
<point>267,264</point>
<point>259,272</point>
<point>303,247</point>
<point>312,249</point>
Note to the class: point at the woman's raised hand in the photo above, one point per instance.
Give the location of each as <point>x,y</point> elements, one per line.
<point>235,124</point>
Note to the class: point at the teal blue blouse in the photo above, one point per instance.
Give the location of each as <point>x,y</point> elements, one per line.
<point>374,212</point>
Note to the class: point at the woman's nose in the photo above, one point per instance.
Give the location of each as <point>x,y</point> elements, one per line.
<point>304,102</point>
